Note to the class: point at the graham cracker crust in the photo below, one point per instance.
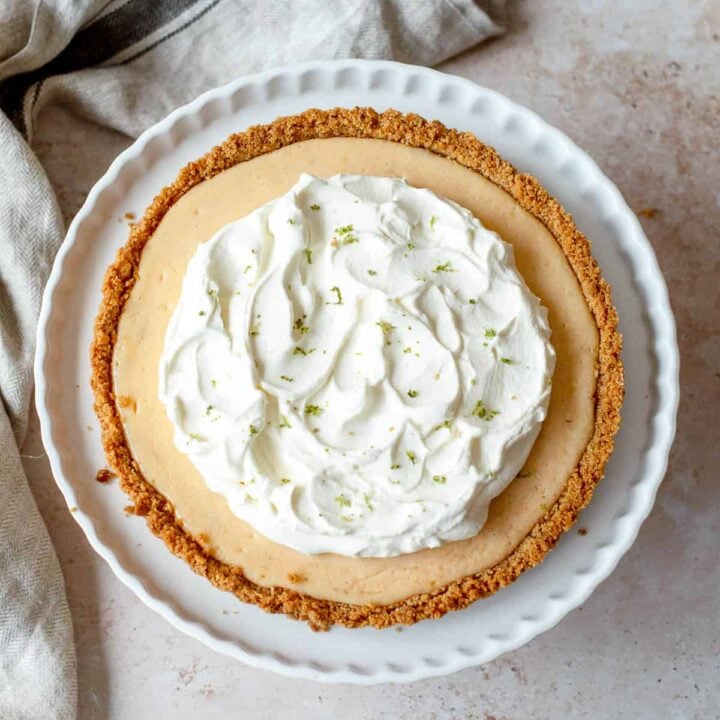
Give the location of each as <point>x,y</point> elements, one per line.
<point>465,149</point>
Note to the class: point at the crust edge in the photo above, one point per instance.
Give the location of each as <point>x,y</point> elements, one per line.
<point>467,150</point>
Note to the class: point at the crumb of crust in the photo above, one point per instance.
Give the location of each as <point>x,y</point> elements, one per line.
<point>204,541</point>
<point>465,149</point>
<point>127,402</point>
<point>73,509</point>
<point>129,216</point>
<point>295,578</point>
<point>131,510</point>
<point>582,531</point>
<point>104,475</point>
<point>648,212</point>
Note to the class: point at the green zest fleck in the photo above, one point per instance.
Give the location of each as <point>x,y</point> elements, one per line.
<point>213,383</point>
<point>284,422</point>
<point>313,410</point>
<point>445,267</point>
<point>253,430</point>
<point>308,256</point>
<point>300,351</point>
<point>285,481</point>
<point>315,207</point>
<point>482,412</point>
<point>300,325</point>
<point>209,409</point>
<point>411,246</point>
<point>337,291</point>
<point>439,479</point>
<point>247,269</point>
<point>254,330</point>
<point>286,378</point>
<point>371,272</point>
<point>201,313</point>
<point>368,504</point>
<point>490,333</point>
<point>345,234</point>
<point>395,466</point>
<point>433,220</point>
<point>507,361</point>
<point>412,393</point>
<point>411,456</point>
<point>385,326</point>
<point>213,293</point>
<point>195,436</point>
<point>407,350</point>
<point>437,375</point>
<point>342,501</point>
<point>443,425</point>
<point>291,221</point>
<point>472,301</point>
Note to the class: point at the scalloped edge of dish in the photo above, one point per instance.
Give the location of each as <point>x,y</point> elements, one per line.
<point>410,80</point>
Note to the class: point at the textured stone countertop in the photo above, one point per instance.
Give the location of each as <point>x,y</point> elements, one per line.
<point>637,85</point>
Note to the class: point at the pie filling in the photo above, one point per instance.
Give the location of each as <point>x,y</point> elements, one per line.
<point>309,344</point>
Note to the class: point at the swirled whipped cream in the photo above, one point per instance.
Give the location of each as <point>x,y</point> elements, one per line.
<point>357,367</point>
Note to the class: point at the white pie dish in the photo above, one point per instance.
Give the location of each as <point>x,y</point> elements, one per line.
<point>539,598</point>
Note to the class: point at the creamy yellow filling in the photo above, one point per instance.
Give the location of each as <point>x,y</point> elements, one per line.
<point>233,194</point>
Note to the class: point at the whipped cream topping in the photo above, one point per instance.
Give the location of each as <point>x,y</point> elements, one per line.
<point>357,367</point>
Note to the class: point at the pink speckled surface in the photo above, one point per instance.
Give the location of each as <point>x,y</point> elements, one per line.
<point>638,86</point>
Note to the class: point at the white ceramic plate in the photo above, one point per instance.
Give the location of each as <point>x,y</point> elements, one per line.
<point>541,597</point>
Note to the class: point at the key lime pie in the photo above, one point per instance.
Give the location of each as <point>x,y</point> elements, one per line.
<point>355,368</point>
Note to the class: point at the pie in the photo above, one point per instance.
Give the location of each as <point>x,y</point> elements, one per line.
<point>146,286</point>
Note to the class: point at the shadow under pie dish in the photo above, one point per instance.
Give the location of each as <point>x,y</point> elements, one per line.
<point>567,459</point>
